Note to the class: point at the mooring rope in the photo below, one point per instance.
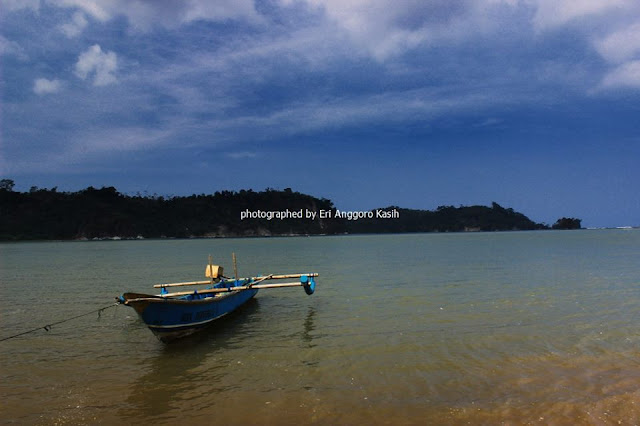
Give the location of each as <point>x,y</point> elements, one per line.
<point>47,327</point>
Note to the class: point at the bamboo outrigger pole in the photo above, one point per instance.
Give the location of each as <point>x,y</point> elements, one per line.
<point>267,277</point>
<point>237,288</point>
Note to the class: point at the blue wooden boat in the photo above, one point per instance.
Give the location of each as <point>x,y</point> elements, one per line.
<point>174,315</point>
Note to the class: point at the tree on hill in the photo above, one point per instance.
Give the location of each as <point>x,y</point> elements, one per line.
<point>7,185</point>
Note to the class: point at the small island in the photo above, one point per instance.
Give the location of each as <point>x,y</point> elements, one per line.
<point>567,223</point>
<point>47,214</point>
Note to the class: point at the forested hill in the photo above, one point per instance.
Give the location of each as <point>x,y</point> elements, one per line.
<point>104,213</point>
<point>46,214</point>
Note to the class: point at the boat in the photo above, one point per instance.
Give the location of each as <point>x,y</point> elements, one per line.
<point>173,315</point>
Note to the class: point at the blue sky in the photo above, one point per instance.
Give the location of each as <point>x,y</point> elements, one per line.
<point>533,104</point>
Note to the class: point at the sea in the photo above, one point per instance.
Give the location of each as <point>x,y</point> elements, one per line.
<point>539,327</point>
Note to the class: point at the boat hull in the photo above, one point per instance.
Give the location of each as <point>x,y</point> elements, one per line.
<point>172,318</point>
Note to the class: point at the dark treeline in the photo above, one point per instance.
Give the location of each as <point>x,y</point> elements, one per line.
<point>46,214</point>
<point>449,219</point>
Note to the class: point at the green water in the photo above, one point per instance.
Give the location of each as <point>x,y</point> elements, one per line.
<point>477,328</point>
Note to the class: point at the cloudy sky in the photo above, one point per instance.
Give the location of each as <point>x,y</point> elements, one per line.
<point>533,104</point>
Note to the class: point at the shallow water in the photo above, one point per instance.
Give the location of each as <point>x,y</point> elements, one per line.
<point>521,327</point>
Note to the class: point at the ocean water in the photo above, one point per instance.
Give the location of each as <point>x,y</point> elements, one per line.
<point>471,328</point>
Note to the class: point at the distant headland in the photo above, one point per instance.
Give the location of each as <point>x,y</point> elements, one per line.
<point>105,213</point>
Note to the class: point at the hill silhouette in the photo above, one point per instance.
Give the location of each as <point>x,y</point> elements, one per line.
<point>46,214</point>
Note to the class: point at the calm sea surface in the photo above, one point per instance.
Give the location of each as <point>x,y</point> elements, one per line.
<point>480,328</point>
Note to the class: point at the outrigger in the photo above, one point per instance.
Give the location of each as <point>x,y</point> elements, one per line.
<point>172,315</point>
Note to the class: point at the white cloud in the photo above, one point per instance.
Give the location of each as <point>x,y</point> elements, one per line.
<point>425,105</point>
<point>89,145</point>
<point>97,9</point>
<point>388,28</point>
<point>95,62</point>
<point>621,45</point>
<point>626,75</point>
<point>42,86</point>
<point>144,14</point>
<point>12,5</point>
<point>219,10</point>
<point>76,26</point>
<point>98,141</point>
<point>8,47</point>
<point>555,13</point>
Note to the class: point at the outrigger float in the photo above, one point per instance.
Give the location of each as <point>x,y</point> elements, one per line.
<point>172,315</point>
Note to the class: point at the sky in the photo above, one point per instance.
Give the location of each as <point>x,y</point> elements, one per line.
<point>532,104</point>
